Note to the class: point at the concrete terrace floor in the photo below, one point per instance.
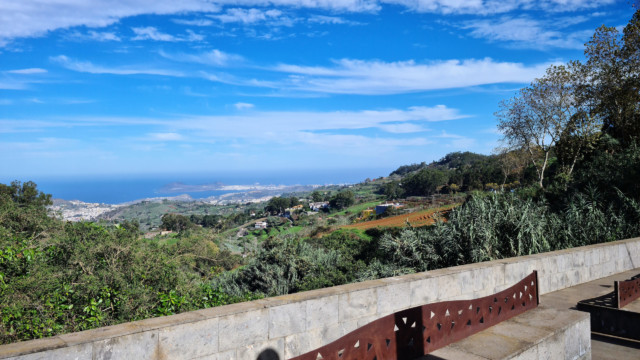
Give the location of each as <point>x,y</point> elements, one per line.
<point>602,347</point>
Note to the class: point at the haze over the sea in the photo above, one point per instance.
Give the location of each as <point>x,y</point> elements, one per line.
<point>120,189</point>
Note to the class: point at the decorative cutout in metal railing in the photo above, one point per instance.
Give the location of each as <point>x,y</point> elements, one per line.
<point>627,291</point>
<point>418,331</point>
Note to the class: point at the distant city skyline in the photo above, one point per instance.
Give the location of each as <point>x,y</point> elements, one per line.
<point>145,87</point>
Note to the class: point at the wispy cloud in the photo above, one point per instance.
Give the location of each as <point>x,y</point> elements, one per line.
<point>349,76</point>
<point>485,7</point>
<point>20,79</point>
<point>28,71</point>
<point>573,5</point>
<point>247,16</point>
<point>524,31</point>
<point>346,76</point>
<point>167,136</point>
<point>213,57</point>
<point>243,106</point>
<point>459,7</point>
<point>252,124</point>
<point>296,126</point>
<point>152,33</point>
<point>93,35</point>
<point>253,16</point>
<point>37,17</point>
<point>88,67</point>
<point>193,22</point>
<point>335,20</point>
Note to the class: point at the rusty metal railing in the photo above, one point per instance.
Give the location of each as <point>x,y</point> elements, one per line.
<point>627,291</point>
<point>418,331</point>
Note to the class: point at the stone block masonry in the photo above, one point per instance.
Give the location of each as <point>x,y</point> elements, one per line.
<point>293,324</point>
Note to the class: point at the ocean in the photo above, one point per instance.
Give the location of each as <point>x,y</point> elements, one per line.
<point>121,189</point>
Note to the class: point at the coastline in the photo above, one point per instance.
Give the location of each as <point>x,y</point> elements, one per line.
<point>77,210</point>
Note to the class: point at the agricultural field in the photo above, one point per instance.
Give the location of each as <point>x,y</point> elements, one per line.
<point>415,219</point>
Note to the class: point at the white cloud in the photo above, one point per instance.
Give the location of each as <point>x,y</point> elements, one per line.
<point>214,57</point>
<point>193,22</point>
<point>246,16</point>
<point>271,17</point>
<point>335,20</point>
<point>291,125</point>
<point>28,71</point>
<point>526,32</point>
<point>403,128</point>
<point>192,36</point>
<point>43,143</point>
<point>101,36</point>
<point>243,106</point>
<point>484,7</point>
<point>347,76</point>
<point>377,77</point>
<point>88,67</point>
<point>168,136</point>
<point>253,124</point>
<point>459,7</point>
<point>357,144</point>
<point>30,18</point>
<point>573,5</point>
<point>20,79</point>
<point>151,33</point>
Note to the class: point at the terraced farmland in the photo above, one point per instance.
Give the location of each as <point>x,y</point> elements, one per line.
<point>415,219</point>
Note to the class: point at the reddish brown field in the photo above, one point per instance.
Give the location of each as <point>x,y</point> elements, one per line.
<point>418,218</point>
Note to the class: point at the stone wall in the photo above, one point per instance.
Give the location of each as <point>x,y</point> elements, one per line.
<point>293,324</point>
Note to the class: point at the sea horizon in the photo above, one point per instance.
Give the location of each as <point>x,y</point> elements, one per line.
<point>112,189</point>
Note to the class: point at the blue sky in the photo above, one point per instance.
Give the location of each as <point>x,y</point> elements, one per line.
<point>143,87</point>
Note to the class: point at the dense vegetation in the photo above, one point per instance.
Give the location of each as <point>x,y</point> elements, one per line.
<point>58,277</point>
<point>566,177</point>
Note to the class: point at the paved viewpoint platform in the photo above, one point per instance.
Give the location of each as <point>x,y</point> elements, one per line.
<point>602,347</point>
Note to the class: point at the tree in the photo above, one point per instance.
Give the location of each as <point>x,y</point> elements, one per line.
<point>176,222</point>
<point>392,190</point>
<point>276,205</point>
<point>342,199</point>
<point>613,79</point>
<point>425,182</point>
<point>512,162</point>
<point>25,194</point>
<point>294,201</point>
<point>544,114</point>
<point>316,196</point>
